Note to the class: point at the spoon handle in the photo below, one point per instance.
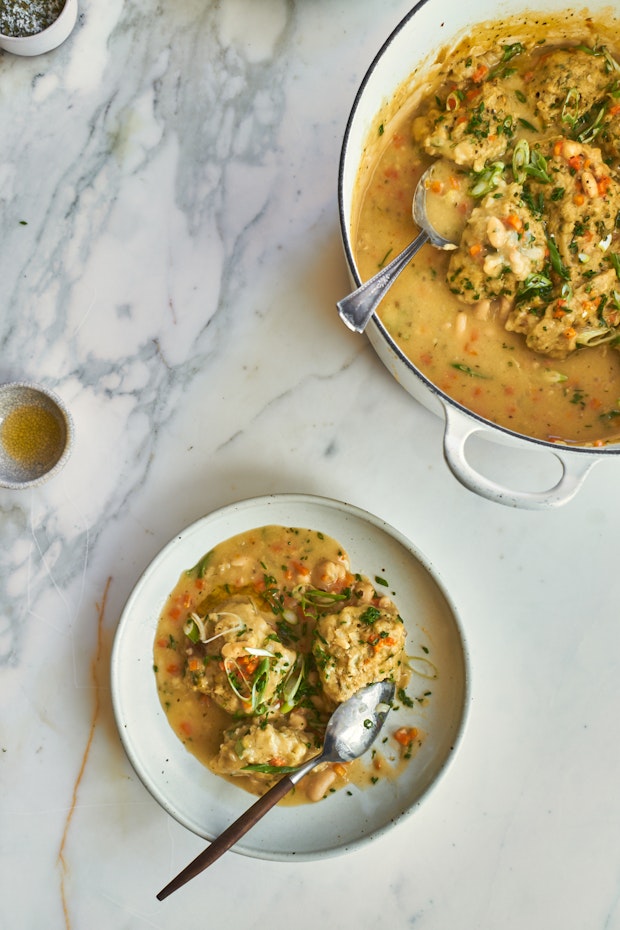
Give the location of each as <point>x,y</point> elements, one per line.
<point>230,836</point>
<point>357,308</point>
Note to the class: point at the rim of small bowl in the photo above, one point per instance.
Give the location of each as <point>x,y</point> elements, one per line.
<point>48,39</point>
<point>53,400</point>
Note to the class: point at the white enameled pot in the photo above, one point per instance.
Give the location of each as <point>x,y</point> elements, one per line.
<point>413,45</point>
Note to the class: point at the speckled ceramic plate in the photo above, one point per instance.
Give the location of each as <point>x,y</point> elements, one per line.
<point>207,804</point>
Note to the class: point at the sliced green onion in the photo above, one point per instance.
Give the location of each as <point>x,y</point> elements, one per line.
<point>423,667</point>
<point>231,667</point>
<point>614,258</point>
<point>594,126</point>
<point>570,108</point>
<point>468,371</point>
<point>453,102</point>
<point>594,336</point>
<point>520,158</point>
<point>292,684</point>
<point>487,180</point>
<point>200,568</point>
<point>555,377</point>
<point>191,628</point>
<point>537,167</point>
<point>535,285</point>
<point>259,685</point>
<point>265,769</point>
<point>556,261</point>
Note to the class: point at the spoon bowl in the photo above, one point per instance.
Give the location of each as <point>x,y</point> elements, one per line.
<point>351,730</point>
<point>358,307</point>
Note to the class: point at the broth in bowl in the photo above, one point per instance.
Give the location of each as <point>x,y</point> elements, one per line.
<point>521,322</point>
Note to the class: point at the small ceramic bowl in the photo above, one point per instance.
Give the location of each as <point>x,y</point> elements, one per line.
<point>36,434</point>
<point>47,39</point>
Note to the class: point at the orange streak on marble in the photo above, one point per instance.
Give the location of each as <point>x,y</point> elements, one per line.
<point>93,723</point>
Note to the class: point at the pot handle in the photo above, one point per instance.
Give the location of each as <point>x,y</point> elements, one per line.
<point>458,430</point>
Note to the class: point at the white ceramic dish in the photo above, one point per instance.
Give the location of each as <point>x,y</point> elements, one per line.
<point>396,69</point>
<point>47,39</point>
<point>207,804</point>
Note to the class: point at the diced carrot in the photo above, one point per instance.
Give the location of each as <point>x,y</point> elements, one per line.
<point>579,200</point>
<point>340,769</point>
<point>299,567</point>
<point>603,185</point>
<point>173,668</point>
<point>185,727</point>
<point>576,162</point>
<point>614,110</point>
<point>454,182</point>
<point>515,221</point>
<point>480,73</point>
<point>193,664</point>
<point>570,332</point>
<point>406,735</point>
<point>162,643</point>
<point>278,761</point>
<point>475,249</point>
<point>436,187</point>
<point>557,147</point>
<point>174,613</point>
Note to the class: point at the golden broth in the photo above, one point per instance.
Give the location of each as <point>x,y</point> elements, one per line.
<point>465,350</point>
<point>283,558</point>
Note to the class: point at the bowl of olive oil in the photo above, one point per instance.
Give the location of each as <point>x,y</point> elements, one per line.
<point>36,434</point>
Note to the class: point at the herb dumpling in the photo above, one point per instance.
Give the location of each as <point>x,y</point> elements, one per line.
<point>265,747</point>
<point>357,646</point>
<point>238,659</point>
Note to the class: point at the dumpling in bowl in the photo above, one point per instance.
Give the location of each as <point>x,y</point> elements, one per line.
<point>264,748</point>
<point>357,646</point>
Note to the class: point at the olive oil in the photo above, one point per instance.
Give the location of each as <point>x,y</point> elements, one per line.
<point>32,436</point>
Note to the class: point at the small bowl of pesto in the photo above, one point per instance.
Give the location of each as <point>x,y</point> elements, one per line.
<point>33,27</point>
<point>36,434</point>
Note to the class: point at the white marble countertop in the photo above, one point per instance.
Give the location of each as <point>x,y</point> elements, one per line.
<point>170,264</point>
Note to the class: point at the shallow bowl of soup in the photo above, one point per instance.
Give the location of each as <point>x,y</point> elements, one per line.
<point>515,333</point>
<point>244,634</point>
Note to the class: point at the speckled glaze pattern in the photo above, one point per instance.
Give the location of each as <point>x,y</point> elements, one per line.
<point>46,40</point>
<point>19,475</point>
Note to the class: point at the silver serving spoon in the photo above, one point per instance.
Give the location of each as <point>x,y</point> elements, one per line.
<point>357,309</point>
<point>352,728</point>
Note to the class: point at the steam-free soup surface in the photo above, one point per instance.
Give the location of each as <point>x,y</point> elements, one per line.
<point>261,640</point>
<point>521,323</point>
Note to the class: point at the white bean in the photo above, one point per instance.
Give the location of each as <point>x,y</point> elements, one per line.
<point>483,310</point>
<point>589,184</point>
<point>318,783</point>
<point>570,148</point>
<point>496,232</point>
<point>326,574</point>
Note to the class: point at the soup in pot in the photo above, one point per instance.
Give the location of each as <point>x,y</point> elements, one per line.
<point>520,322</point>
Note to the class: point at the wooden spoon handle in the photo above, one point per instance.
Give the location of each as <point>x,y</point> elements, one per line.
<point>230,836</point>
